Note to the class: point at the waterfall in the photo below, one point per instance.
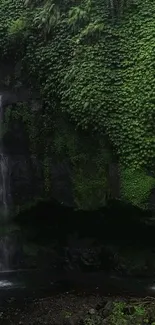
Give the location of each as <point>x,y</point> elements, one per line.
<point>9,241</point>
<point>3,187</point>
<point>3,171</point>
<point>4,194</point>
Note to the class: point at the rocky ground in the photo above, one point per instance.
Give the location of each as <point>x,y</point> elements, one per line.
<point>70,309</point>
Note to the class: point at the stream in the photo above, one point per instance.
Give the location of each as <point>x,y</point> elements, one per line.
<point>23,284</point>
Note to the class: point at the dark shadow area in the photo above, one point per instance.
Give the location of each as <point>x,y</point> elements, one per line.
<point>57,249</point>
<point>114,240</point>
<point>116,223</point>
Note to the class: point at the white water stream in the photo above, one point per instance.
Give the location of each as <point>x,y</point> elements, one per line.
<point>4,194</point>
<point>3,170</point>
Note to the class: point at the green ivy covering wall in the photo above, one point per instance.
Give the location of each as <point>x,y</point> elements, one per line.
<point>90,157</point>
<point>94,63</point>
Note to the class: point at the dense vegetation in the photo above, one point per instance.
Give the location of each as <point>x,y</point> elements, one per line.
<point>93,64</point>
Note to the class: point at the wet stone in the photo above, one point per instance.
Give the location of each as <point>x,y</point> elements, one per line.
<point>107,309</point>
<point>92,311</point>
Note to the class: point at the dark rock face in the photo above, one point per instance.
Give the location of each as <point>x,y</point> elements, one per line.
<point>24,185</point>
<point>21,174</point>
<point>27,180</point>
<point>15,140</point>
<point>26,171</point>
<point>11,251</point>
<point>61,182</point>
<point>10,97</point>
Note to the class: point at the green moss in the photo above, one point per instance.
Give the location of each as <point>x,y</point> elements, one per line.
<point>90,190</point>
<point>136,186</point>
<point>89,157</point>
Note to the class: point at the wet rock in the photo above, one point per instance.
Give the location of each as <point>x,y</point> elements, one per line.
<point>68,321</point>
<point>107,309</point>
<point>94,319</point>
<point>128,310</point>
<point>81,322</point>
<point>91,311</point>
<point>101,306</point>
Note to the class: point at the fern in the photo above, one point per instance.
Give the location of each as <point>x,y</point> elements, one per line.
<point>92,29</point>
<point>77,16</point>
<point>47,16</point>
<point>80,15</point>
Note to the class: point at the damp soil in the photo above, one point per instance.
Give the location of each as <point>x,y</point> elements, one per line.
<point>60,309</point>
<point>70,309</point>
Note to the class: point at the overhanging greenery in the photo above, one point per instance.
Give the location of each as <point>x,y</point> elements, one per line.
<point>94,61</point>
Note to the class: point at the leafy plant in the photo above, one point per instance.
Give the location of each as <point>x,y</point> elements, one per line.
<point>47,16</point>
<point>96,71</point>
<point>17,27</point>
<point>136,186</point>
<point>120,317</point>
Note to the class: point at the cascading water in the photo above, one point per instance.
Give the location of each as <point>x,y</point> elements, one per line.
<point>4,194</point>
<point>3,171</point>
<point>3,187</point>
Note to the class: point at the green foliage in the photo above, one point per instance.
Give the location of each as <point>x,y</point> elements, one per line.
<point>136,186</point>
<point>90,190</point>
<point>96,65</point>
<point>119,312</point>
<point>120,317</point>
<point>79,16</point>
<point>17,27</point>
<point>85,25</point>
<point>89,157</point>
<point>47,16</point>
